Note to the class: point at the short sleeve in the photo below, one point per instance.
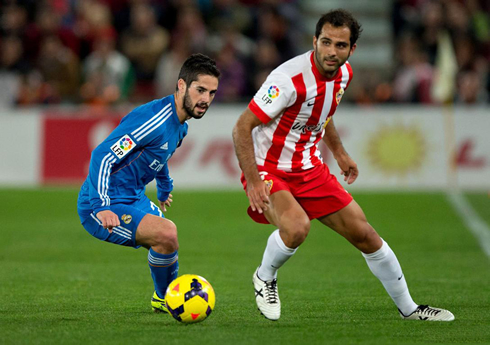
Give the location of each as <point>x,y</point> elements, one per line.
<point>276,94</point>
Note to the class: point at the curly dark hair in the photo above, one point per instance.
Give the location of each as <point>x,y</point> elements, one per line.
<point>338,18</point>
<point>198,64</point>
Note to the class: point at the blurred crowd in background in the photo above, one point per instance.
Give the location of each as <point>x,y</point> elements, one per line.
<point>109,52</point>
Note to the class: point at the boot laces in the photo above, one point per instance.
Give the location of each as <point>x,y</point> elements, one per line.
<point>426,310</point>
<point>271,295</point>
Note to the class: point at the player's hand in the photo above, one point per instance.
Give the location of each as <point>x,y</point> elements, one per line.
<point>348,168</point>
<point>164,204</point>
<point>109,219</point>
<point>258,196</point>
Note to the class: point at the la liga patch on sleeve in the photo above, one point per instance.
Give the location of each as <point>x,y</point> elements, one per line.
<point>123,146</point>
<point>271,94</point>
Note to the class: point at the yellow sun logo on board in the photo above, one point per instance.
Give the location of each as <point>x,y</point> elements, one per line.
<point>397,149</point>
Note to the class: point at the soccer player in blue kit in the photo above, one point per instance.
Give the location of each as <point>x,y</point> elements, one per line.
<point>112,204</point>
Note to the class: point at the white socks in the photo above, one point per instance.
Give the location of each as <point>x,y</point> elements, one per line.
<point>275,255</point>
<point>384,265</point>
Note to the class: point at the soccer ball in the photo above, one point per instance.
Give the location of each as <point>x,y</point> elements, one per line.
<point>190,298</point>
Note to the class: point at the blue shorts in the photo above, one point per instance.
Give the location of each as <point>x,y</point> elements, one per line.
<point>130,216</point>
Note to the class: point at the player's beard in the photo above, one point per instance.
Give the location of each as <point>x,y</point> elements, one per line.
<point>329,70</point>
<point>189,108</point>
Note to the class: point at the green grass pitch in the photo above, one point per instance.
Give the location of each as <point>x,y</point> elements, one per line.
<point>59,285</point>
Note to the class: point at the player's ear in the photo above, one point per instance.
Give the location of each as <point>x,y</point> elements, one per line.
<point>181,85</point>
<point>352,49</point>
<point>314,41</point>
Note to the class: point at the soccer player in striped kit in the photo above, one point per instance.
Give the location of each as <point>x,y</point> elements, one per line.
<point>287,184</point>
<point>112,204</point>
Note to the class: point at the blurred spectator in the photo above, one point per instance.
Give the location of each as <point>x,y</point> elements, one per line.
<point>190,28</point>
<point>372,87</point>
<point>13,21</point>
<point>233,81</point>
<point>108,76</point>
<point>274,26</point>
<point>266,58</point>
<point>12,66</point>
<point>430,28</point>
<point>48,23</point>
<point>227,33</point>
<point>413,77</point>
<point>169,67</point>
<point>453,37</point>
<point>447,62</point>
<point>234,56</point>
<point>12,55</point>
<point>170,12</point>
<point>470,89</point>
<point>121,11</point>
<point>144,41</point>
<point>59,68</point>
<point>34,90</point>
<point>188,35</point>
<point>229,11</point>
<point>480,26</point>
<point>93,18</point>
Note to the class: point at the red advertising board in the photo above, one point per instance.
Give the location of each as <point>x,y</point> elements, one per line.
<point>68,143</point>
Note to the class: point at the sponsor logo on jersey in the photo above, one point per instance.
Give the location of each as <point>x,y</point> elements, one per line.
<point>126,218</point>
<point>156,165</point>
<point>338,96</point>
<point>123,146</point>
<point>303,128</point>
<point>164,146</point>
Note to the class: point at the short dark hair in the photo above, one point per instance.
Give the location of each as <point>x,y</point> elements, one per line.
<point>338,18</point>
<point>198,64</point>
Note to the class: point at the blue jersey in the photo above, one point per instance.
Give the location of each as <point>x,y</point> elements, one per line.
<point>134,154</point>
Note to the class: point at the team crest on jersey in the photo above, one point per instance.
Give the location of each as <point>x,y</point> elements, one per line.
<point>123,146</point>
<point>269,183</point>
<point>126,218</point>
<point>339,95</point>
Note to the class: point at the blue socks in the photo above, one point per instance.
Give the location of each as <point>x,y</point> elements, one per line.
<point>164,268</point>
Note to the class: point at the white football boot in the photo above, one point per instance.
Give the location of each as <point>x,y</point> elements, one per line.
<point>427,313</point>
<point>267,297</point>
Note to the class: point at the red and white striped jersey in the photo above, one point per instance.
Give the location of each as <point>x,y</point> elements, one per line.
<point>295,104</point>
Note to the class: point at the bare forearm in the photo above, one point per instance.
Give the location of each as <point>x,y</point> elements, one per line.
<point>244,149</point>
<point>346,164</point>
<point>333,141</point>
<point>257,191</point>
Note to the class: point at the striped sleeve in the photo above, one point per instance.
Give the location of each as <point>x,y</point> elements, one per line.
<point>276,94</point>
<point>165,184</point>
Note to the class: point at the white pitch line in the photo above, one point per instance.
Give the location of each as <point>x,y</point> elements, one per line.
<point>471,219</point>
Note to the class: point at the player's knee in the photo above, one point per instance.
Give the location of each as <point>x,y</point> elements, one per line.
<point>166,236</point>
<point>366,239</point>
<point>296,231</point>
